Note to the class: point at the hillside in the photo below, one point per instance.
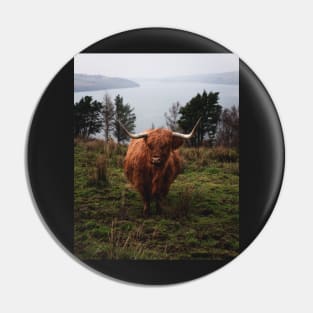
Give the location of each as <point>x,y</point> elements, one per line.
<point>83,82</point>
<point>227,78</point>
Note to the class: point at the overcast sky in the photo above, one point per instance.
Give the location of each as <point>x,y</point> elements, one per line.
<point>154,65</point>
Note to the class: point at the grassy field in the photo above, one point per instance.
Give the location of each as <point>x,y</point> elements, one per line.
<point>201,212</point>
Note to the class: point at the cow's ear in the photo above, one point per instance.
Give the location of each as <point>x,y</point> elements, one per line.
<point>177,142</point>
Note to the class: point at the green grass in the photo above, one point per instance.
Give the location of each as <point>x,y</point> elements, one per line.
<point>200,218</point>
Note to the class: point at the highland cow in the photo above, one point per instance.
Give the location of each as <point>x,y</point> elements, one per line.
<point>152,163</point>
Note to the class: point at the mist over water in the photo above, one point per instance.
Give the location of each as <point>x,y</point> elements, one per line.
<point>153,98</point>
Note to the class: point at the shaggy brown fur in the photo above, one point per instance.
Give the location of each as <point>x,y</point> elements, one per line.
<point>152,179</point>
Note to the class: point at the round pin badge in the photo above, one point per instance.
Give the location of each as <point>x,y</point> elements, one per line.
<point>155,156</point>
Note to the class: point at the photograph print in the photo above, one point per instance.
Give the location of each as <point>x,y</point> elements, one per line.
<point>156,156</point>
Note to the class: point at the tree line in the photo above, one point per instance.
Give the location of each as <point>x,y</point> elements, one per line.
<point>92,117</point>
<point>218,126</point>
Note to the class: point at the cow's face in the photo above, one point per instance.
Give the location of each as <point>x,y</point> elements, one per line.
<point>160,143</point>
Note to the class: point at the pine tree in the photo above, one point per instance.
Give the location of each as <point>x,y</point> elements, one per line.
<point>212,113</point>
<point>205,106</point>
<point>123,113</point>
<point>87,117</point>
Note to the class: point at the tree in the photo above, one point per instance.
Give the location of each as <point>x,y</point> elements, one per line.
<point>205,106</point>
<point>87,117</point>
<point>124,113</point>
<point>172,118</point>
<point>212,115</point>
<point>228,128</point>
<point>108,116</point>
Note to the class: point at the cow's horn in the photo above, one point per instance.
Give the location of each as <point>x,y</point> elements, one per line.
<point>134,136</point>
<point>188,136</point>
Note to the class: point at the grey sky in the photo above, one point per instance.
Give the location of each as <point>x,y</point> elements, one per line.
<point>154,65</point>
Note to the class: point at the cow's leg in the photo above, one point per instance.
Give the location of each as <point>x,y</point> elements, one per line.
<point>161,196</point>
<point>146,201</point>
<point>146,207</point>
<point>146,197</point>
<point>158,204</point>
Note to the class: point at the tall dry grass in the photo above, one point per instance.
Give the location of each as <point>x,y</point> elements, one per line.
<point>94,145</point>
<point>98,175</point>
<point>203,156</point>
<point>131,248</point>
<point>184,203</point>
<point>224,155</point>
<point>101,155</point>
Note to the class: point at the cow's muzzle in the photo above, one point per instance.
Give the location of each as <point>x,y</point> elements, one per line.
<point>156,160</point>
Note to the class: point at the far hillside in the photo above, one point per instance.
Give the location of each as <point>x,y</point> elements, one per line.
<point>84,82</point>
<point>226,78</point>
